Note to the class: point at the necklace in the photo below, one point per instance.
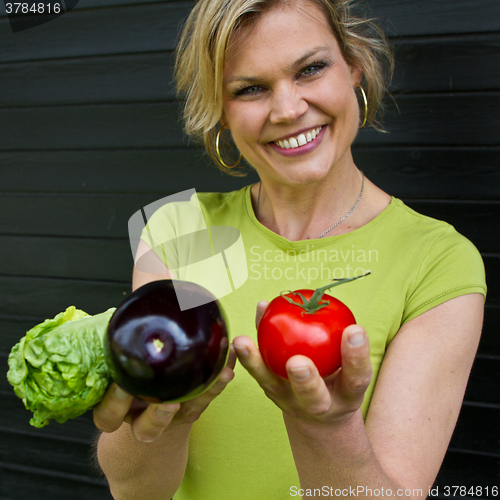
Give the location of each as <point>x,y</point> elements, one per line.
<point>338,222</point>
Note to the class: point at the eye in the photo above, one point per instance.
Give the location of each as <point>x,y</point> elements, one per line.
<point>310,70</point>
<point>314,68</point>
<point>248,90</point>
<point>251,90</point>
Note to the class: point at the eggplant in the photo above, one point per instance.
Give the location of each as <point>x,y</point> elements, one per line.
<point>158,351</point>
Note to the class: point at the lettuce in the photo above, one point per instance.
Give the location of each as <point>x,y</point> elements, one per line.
<point>58,368</point>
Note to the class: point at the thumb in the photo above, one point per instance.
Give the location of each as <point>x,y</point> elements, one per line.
<point>261,307</point>
<point>356,373</point>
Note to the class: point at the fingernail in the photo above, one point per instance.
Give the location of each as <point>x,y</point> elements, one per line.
<point>120,393</point>
<point>222,382</point>
<point>300,373</point>
<point>357,338</point>
<point>164,410</point>
<point>241,350</point>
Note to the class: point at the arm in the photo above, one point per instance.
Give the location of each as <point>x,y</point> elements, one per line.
<point>143,448</point>
<point>412,414</point>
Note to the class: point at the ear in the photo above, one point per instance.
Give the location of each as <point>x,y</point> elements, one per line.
<point>356,75</point>
<point>223,121</point>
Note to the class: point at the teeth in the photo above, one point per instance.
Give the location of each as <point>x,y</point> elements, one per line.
<point>295,142</point>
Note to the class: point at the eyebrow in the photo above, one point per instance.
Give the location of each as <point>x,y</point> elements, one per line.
<point>298,62</point>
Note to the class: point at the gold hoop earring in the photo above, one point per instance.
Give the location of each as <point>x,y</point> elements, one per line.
<point>366,105</point>
<point>219,157</point>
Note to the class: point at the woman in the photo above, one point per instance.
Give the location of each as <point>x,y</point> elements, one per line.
<point>285,78</point>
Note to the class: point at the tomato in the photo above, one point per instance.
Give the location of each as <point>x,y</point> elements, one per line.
<point>307,322</point>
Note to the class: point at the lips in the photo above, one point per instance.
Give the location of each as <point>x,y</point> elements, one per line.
<point>299,140</point>
<point>300,144</point>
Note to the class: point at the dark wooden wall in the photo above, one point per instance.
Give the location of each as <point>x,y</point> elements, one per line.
<point>89,134</point>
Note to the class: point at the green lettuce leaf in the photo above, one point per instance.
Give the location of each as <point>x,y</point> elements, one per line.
<point>58,368</point>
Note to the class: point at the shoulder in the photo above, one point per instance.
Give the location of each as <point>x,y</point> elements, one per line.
<point>225,209</point>
<point>217,201</point>
<point>411,228</point>
<point>188,212</point>
<point>189,205</point>
<point>447,263</point>
<point>407,218</point>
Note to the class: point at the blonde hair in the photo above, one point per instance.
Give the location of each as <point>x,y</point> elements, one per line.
<point>206,38</point>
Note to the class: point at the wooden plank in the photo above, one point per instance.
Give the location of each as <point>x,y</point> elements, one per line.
<point>484,438</point>
<point>44,297</point>
<point>63,257</point>
<point>107,216</point>
<point>490,340</point>
<point>400,16</point>
<point>120,78</point>
<point>436,17</point>
<point>492,267</point>
<point>128,29</point>
<point>482,387</point>
<point>129,172</point>
<point>14,416</point>
<point>421,120</point>
<point>428,64</point>
<point>89,216</point>
<point>472,219</point>
<point>484,380</point>
<point>447,64</point>
<point>30,482</point>
<point>111,259</point>
<point>89,4</point>
<point>461,119</point>
<point>432,172</point>
<point>12,328</point>
<point>34,450</point>
<point>412,172</point>
<point>121,126</point>
<point>435,64</point>
<point>468,469</point>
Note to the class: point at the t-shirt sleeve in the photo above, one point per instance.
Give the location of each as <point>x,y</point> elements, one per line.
<point>451,267</point>
<point>177,232</point>
<point>159,234</point>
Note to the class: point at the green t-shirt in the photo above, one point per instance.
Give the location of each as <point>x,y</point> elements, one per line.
<point>239,447</point>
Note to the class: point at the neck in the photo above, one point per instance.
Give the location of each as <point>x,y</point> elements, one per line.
<point>308,211</point>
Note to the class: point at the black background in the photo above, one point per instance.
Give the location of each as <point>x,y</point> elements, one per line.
<point>89,133</point>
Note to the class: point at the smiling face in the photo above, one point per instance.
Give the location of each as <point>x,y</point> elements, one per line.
<point>289,97</point>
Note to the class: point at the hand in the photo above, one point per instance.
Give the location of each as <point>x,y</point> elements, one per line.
<point>307,395</point>
<point>149,421</point>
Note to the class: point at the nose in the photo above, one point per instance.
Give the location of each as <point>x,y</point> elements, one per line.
<point>287,105</point>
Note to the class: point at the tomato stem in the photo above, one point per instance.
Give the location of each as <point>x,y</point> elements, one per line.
<point>315,303</point>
